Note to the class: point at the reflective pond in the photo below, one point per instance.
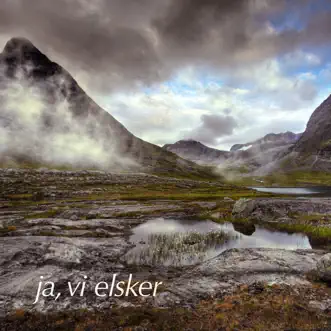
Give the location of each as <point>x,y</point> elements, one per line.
<point>186,242</point>
<point>301,191</point>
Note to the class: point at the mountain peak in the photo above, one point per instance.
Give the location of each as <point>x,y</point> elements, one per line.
<point>19,45</point>
<point>20,53</point>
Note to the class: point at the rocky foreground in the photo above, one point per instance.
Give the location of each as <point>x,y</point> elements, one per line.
<point>75,226</point>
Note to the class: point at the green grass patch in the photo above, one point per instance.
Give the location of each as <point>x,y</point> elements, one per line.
<point>45,214</point>
<point>317,232</point>
<point>287,179</point>
<point>25,196</point>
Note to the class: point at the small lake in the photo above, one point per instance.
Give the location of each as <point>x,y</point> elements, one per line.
<point>184,242</point>
<point>300,191</point>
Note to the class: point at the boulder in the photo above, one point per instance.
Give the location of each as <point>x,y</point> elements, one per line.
<point>243,208</point>
<point>279,210</point>
<point>323,268</point>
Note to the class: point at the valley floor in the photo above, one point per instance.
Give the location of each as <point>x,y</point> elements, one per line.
<point>66,224</point>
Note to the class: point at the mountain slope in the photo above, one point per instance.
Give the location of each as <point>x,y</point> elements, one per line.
<point>66,112</point>
<point>197,152</point>
<point>249,156</point>
<point>316,139</point>
<point>312,152</point>
<point>269,141</point>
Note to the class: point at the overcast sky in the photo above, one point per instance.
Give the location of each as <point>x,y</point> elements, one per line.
<point>218,71</point>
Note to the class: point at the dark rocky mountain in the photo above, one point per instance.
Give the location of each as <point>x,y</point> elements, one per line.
<point>22,63</point>
<point>197,152</point>
<point>313,150</point>
<point>316,139</point>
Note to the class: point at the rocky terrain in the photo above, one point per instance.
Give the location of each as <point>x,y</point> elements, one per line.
<point>275,210</point>
<point>64,225</point>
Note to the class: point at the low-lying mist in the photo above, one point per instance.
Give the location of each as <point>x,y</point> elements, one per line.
<point>40,128</point>
<point>256,161</point>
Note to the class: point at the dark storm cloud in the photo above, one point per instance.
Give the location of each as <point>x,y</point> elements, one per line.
<point>122,42</point>
<point>189,21</point>
<point>211,128</point>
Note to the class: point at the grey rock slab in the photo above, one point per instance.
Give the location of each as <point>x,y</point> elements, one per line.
<point>273,209</point>
<point>66,259</point>
<point>114,224</point>
<point>61,250</point>
<point>244,266</point>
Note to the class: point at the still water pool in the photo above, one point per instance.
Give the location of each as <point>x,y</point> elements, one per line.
<point>185,242</point>
<point>299,191</point>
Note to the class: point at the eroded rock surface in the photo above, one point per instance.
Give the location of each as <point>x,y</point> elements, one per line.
<point>81,225</point>
<point>63,260</point>
<point>269,210</point>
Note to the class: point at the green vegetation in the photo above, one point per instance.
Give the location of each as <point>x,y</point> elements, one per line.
<point>173,191</point>
<point>293,178</point>
<point>45,214</point>
<point>14,197</point>
<point>326,143</point>
<point>321,234</point>
<point>161,163</point>
<point>316,232</point>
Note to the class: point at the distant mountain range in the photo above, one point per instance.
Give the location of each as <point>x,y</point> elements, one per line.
<point>22,64</point>
<point>197,152</point>
<point>46,118</point>
<point>253,154</point>
<point>310,150</point>
<point>269,141</point>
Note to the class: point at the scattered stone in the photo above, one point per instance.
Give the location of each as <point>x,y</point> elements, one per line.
<point>316,305</point>
<point>228,199</point>
<point>242,208</point>
<point>323,268</point>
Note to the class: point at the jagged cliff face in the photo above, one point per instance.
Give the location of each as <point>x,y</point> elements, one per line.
<point>313,150</point>
<point>46,117</point>
<point>316,139</point>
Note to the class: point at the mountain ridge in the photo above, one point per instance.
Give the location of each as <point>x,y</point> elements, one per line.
<point>287,137</point>
<point>21,58</point>
<point>196,151</point>
<point>316,138</point>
